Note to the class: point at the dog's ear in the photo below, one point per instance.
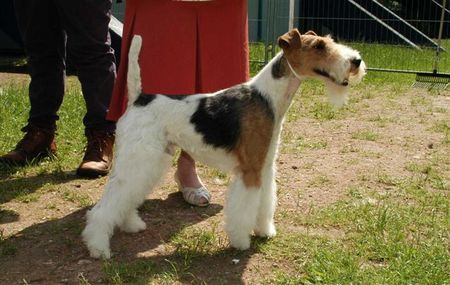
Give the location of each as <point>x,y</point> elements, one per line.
<point>290,40</point>
<point>318,44</point>
<point>312,33</point>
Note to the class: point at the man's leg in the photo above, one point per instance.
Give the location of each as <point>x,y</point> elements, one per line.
<point>89,46</point>
<point>44,42</point>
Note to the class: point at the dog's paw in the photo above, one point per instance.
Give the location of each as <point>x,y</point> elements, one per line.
<point>267,230</point>
<point>98,246</point>
<point>100,253</point>
<point>241,244</point>
<point>97,241</point>
<point>133,224</point>
<point>240,241</point>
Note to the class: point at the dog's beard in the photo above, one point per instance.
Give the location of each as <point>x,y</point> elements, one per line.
<point>337,94</point>
<point>356,78</point>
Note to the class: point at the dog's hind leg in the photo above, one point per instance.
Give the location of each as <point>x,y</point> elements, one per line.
<point>240,213</point>
<point>157,163</point>
<point>132,223</point>
<point>265,223</point>
<point>135,172</point>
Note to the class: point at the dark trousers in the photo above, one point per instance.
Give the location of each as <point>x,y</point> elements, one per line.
<point>53,28</point>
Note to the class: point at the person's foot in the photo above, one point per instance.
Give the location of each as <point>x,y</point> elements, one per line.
<point>193,190</point>
<point>37,143</point>
<point>99,153</point>
<point>196,196</point>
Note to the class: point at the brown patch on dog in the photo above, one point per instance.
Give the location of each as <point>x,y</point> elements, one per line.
<point>290,40</point>
<point>253,146</point>
<point>308,52</point>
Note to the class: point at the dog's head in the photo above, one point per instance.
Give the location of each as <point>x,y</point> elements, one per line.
<point>312,56</point>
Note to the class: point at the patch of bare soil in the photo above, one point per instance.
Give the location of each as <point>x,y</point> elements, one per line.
<point>13,78</point>
<point>45,235</point>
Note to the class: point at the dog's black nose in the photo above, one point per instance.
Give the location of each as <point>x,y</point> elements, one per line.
<point>356,62</point>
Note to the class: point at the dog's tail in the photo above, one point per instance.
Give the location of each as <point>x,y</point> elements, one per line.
<point>134,71</point>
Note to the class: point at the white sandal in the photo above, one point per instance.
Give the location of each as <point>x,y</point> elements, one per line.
<point>193,195</point>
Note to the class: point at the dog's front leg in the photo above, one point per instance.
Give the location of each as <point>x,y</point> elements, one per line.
<point>240,212</point>
<point>265,226</point>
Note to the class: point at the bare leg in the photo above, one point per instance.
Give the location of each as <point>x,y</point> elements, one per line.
<point>187,175</point>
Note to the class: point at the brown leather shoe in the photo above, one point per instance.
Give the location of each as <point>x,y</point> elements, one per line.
<point>99,154</point>
<point>35,145</point>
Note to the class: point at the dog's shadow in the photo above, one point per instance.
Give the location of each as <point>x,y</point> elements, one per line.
<point>52,251</point>
<point>11,188</point>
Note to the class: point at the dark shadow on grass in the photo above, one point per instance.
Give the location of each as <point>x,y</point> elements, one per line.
<point>8,216</point>
<point>221,267</point>
<point>52,252</point>
<point>7,169</point>
<point>11,188</point>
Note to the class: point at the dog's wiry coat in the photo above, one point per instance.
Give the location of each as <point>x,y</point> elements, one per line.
<point>236,130</point>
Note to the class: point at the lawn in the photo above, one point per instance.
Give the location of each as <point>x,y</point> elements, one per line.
<point>363,199</point>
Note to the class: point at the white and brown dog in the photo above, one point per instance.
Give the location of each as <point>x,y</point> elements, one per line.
<point>236,130</point>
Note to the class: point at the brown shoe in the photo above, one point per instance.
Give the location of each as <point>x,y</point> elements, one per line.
<point>99,153</point>
<point>35,145</point>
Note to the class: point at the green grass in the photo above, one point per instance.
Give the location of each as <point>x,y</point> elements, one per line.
<point>387,241</point>
<point>367,135</point>
<point>402,57</point>
<point>193,242</point>
<point>190,246</point>
<point>444,128</point>
<point>70,139</point>
<point>139,272</point>
<point>81,199</point>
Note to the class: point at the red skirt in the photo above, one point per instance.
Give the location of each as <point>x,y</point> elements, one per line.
<point>188,47</point>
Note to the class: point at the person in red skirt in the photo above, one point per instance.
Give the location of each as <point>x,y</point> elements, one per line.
<point>189,47</point>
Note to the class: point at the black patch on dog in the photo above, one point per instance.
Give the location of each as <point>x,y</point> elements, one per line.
<point>322,72</point>
<point>279,68</point>
<point>263,102</point>
<point>218,118</point>
<point>144,99</point>
<point>176,97</point>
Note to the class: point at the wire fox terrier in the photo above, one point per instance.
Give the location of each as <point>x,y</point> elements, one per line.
<point>236,130</point>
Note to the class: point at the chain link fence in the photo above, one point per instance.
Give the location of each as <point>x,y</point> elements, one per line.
<point>392,35</point>
<point>397,36</point>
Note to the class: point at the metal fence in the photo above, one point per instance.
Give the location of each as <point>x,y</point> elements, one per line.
<point>392,35</point>
<point>399,36</point>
